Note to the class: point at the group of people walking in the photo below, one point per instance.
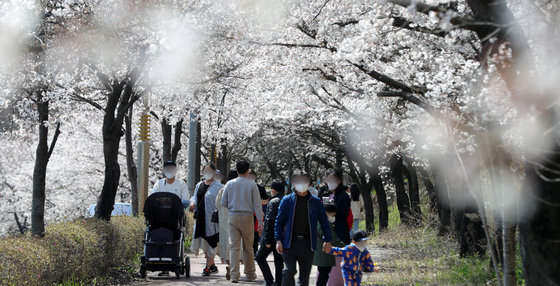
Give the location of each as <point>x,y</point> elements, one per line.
<point>242,222</point>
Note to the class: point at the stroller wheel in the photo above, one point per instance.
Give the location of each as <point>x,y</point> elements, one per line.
<point>143,271</point>
<point>187,267</point>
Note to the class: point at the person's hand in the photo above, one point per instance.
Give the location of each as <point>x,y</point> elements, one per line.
<point>191,207</point>
<point>279,247</point>
<point>268,245</point>
<point>375,268</point>
<point>327,246</point>
<point>260,229</point>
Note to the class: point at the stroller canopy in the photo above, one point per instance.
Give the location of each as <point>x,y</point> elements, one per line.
<point>163,209</point>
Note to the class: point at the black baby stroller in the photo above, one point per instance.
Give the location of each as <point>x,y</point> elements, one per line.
<point>164,240</point>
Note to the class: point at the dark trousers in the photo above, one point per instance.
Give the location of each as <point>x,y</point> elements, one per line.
<point>261,256</point>
<point>323,275</point>
<point>256,242</point>
<point>299,252</point>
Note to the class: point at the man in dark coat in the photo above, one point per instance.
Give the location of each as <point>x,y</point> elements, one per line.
<point>267,242</point>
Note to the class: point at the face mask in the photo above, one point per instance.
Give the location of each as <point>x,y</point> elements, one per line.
<point>302,188</point>
<point>208,176</point>
<point>332,186</point>
<point>332,219</point>
<point>169,175</point>
<point>361,245</point>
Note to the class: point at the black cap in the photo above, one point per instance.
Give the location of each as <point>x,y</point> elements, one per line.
<point>360,236</point>
<point>169,163</point>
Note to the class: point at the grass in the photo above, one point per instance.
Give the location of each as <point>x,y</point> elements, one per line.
<point>417,256</point>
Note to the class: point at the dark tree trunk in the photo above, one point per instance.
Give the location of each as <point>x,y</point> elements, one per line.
<point>171,139</point>
<point>539,232</point>
<point>414,192</point>
<point>120,100</point>
<point>166,133</point>
<point>443,202</point>
<point>365,191</point>
<point>430,189</point>
<point>177,140</point>
<point>382,201</point>
<point>403,201</point>
<point>130,163</point>
<point>223,161</point>
<point>42,156</point>
<point>339,158</point>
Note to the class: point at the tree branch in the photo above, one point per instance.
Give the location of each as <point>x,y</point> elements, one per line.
<point>53,142</point>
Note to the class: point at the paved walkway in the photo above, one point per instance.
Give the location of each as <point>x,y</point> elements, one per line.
<point>197,264</point>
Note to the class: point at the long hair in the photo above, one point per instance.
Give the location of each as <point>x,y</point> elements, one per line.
<point>355,192</point>
<point>232,174</point>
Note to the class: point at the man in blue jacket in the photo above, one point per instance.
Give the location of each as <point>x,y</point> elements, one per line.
<point>295,230</point>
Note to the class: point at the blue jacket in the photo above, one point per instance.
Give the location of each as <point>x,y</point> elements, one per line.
<point>285,220</point>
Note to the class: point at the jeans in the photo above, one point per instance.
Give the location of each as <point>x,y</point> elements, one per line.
<point>323,275</point>
<point>355,226</point>
<point>300,252</point>
<point>261,256</point>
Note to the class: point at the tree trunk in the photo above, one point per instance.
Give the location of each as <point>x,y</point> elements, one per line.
<point>413,191</point>
<point>120,100</point>
<point>403,201</point>
<point>40,172</point>
<point>42,156</point>
<point>177,140</point>
<point>131,164</point>
<point>223,161</point>
<point>365,191</point>
<point>382,201</point>
<point>539,231</point>
<point>508,236</point>
<point>111,140</point>
<point>443,202</point>
<point>430,189</point>
<point>166,133</point>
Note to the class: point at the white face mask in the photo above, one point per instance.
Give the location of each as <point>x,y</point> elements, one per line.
<point>332,185</point>
<point>169,174</point>
<point>332,219</point>
<point>302,188</point>
<point>208,176</point>
<point>361,245</point>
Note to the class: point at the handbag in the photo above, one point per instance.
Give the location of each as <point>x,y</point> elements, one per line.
<point>215,217</point>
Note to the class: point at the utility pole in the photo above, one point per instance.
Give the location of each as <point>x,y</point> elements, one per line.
<point>192,177</point>
<point>143,155</point>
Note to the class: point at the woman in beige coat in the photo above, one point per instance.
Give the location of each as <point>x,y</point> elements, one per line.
<point>223,244</point>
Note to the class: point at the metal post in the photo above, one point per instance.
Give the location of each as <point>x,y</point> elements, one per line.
<point>143,160</point>
<point>191,176</point>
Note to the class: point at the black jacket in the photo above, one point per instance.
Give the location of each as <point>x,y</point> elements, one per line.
<point>342,201</point>
<point>267,236</point>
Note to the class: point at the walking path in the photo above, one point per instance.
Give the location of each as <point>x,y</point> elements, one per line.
<point>197,265</point>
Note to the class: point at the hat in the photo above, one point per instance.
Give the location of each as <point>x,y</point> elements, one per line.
<point>169,163</point>
<point>360,236</point>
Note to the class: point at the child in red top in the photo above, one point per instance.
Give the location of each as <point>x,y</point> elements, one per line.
<point>355,259</point>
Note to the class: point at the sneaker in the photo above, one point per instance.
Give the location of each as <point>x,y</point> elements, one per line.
<point>206,271</point>
<point>213,268</point>
<point>234,280</point>
<point>252,277</point>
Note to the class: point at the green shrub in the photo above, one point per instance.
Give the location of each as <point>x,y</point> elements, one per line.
<point>71,252</point>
